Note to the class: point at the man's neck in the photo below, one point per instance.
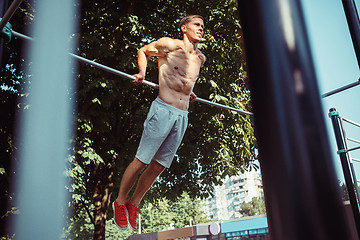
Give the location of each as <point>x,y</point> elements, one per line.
<point>189,45</point>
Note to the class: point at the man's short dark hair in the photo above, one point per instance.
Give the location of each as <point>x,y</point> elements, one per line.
<point>188,18</point>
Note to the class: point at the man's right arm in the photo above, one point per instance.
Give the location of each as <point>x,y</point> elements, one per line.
<point>142,63</point>
<point>158,48</point>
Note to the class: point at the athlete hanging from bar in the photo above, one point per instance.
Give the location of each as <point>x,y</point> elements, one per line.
<point>179,63</point>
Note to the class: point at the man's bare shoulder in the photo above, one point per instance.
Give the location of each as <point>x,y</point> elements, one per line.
<point>169,43</point>
<point>201,56</point>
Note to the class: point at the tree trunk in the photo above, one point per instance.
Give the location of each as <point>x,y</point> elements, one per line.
<point>102,194</point>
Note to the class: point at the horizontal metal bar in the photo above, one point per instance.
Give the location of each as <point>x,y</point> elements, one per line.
<point>19,35</point>
<point>223,106</point>
<point>128,76</point>
<point>352,149</point>
<point>353,140</point>
<point>351,122</point>
<point>341,89</point>
<point>111,70</point>
<point>151,84</point>
<point>9,13</point>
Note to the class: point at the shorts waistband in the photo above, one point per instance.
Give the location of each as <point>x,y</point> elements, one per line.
<point>171,108</point>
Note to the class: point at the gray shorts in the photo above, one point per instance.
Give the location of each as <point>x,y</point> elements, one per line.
<point>164,129</point>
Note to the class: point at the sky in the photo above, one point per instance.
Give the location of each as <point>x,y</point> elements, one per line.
<point>336,66</point>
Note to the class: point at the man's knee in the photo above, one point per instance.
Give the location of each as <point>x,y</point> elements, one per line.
<point>157,167</point>
<point>136,163</point>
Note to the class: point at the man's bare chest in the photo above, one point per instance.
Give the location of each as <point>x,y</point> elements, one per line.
<point>185,60</point>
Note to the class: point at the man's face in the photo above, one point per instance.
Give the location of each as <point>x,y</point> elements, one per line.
<point>194,29</point>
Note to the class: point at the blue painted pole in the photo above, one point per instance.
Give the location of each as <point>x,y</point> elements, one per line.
<point>46,127</point>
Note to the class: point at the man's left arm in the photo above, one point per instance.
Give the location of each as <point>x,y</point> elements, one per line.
<point>192,97</point>
<point>202,59</point>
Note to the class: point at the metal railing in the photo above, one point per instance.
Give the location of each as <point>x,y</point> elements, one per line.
<point>346,160</point>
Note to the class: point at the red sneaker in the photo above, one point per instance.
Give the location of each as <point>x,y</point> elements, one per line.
<point>120,218</point>
<point>132,214</point>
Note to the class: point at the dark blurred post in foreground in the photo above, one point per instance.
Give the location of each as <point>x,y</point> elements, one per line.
<point>301,191</point>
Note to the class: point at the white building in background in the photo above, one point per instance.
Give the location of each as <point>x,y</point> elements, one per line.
<point>235,190</point>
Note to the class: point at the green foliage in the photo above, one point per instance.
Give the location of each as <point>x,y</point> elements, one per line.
<point>82,228</point>
<point>79,226</point>
<point>162,214</point>
<point>110,110</point>
<point>255,207</point>
<point>343,192</point>
<point>13,81</point>
<point>186,208</point>
<point>156,216</point>
<point>114,233</point>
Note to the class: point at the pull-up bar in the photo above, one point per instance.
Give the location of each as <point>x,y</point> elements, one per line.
<point>128,76</point>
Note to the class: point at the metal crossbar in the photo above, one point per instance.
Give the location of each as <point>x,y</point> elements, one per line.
<point>352,149</point>
<point>345,138</point>
<point>353,140</point>
<point>351,122</point>
<point>342,140</point>
<point>128,76</point>
<point>350,139</point>
<point>9,13</point>
<point>341,89</point>
<point>19,35</point>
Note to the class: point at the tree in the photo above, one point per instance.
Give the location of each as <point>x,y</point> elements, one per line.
<point>255,207</point>
<point>111,111</point>
<point>163,213</point>
<point>186,209</point>
<point>155,216</point>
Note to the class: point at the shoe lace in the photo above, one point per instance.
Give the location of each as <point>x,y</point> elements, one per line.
<point>121,210</point>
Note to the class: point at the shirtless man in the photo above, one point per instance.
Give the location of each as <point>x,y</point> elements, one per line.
<point>179,63</point>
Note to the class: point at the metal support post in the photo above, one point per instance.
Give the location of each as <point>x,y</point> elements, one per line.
<point>345,140</point>
<point>3,7</point>
<point>3,203</point>
<point>9,13</point>
<point>302,195</point>
<point>354,25</point>
<point>334,115</point>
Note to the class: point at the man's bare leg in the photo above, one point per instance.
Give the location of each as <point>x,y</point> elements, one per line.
<point>128,180</point>
<point>146,181</point>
